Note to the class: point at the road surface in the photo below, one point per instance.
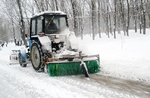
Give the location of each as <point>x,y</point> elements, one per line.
<point>21,82</point>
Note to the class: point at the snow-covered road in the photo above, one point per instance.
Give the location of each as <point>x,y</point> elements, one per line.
<point>6,88</point>
<point>26,83</point>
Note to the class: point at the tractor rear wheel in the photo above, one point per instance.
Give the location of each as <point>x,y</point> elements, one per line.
<point>36,56</point>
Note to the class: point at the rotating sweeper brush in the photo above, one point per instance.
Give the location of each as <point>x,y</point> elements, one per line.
<point>79,64</point>
<point>53,48</point>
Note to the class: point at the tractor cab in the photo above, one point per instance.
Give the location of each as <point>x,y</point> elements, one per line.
<point>48,23</point>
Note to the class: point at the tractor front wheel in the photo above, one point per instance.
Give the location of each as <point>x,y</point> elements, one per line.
<point>21,62</point>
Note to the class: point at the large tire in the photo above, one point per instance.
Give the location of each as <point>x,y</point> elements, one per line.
<point>36,56</point>
<point>21,62</point>
<point>85,72</point>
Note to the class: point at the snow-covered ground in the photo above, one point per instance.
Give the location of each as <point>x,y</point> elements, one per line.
<point>126,57</point>
<point>125,62</point>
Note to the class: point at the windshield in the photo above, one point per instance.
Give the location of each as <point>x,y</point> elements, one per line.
<point>55,24</point>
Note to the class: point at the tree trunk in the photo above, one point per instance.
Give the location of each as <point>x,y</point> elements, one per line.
<point>136,17</point>
<point>115,14</point>
<point>107,19</point>
<point>128,19</point>
<point>143,19</point>
<point>14,35</point>
<point>144,22</point>
<point>149,20</point>
<point>122,15</point>
<point>135,24</point>
<point>75,14</point>
<point>99,18</point>
<point>36,2</point>
<point>56,3</point>
<point>141,24</point>
<point>63,8</point>
<point>93,18</point>
<point>22,23</point>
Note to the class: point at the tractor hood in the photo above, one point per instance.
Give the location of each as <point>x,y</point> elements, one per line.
<point>66,36</point>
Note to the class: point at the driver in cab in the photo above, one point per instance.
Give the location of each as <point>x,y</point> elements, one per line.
<point>52,26</point>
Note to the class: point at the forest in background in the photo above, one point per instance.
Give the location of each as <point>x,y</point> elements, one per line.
<point>92,17</point>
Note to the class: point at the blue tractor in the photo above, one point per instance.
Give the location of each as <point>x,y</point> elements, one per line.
<point>53,47</point>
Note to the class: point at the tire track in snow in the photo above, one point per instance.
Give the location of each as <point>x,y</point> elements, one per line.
<point>22,87</point>
<point>100,84</point>
<point>132,78</point>
<point>134,87</point>
<point>111,85</point>
<point>91,85</point>
<point>55,81</point>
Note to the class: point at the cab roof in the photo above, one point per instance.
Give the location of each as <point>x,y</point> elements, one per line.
<point>50,13</point>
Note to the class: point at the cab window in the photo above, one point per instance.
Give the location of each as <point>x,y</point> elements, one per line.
<point>33,27</point>
<point>39,25</point>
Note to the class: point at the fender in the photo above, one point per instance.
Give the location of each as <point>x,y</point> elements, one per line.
<point>22,52</point>
<point>45,42</point>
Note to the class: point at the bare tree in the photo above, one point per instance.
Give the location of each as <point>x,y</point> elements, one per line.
<point>107,18</point>
<point>99,18</point>
<point>75,14</point>
<point>84,16</point>
<point>128,18</point>
<point>122,15</point>
<point>22,22</point>
<point>115,14</point>
<point>63,5</point>
<point>11,17</point>
<point>93,8</point>
<point>144,16</point>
